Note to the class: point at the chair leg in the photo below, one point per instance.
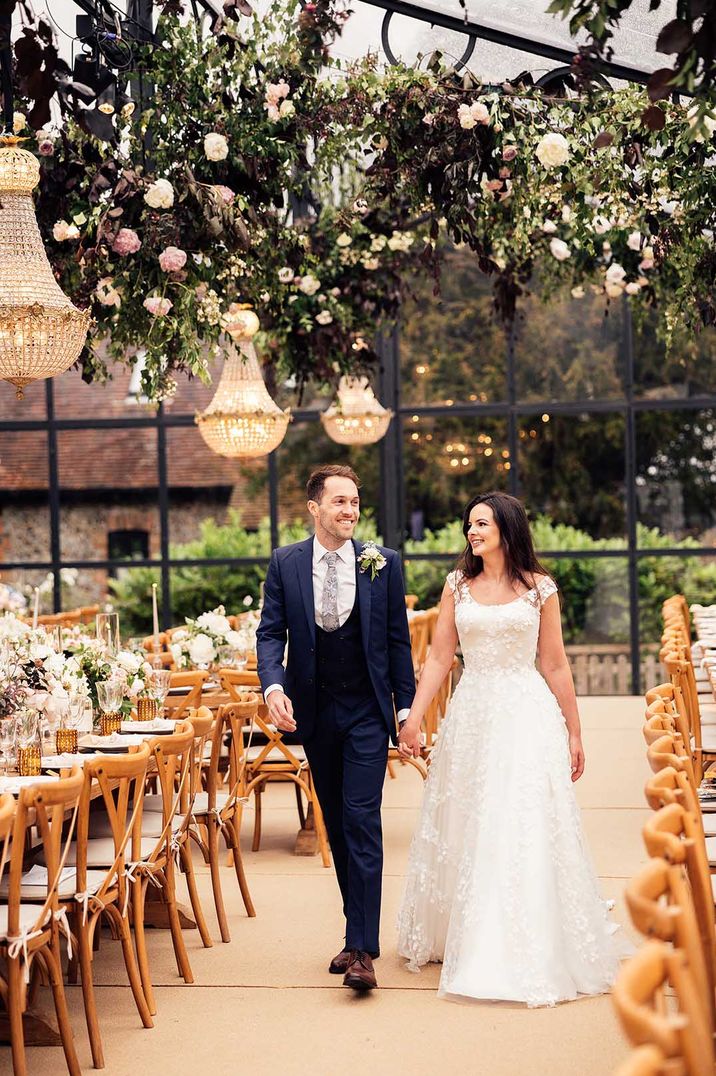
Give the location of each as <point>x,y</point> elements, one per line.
<point>234,829</point>
<point>54,969</point>
<point>215,869</point>
<point>130,963</point>
<point>85,962</point>
<point>258,791</point>
<point>140,942</point>
<point>15,986</point>
<point>391,770</point>
<point>170,895</point>
<point>188,868</point>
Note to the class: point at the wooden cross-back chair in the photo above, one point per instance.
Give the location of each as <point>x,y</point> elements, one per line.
<point>640,997</point>
<point>216,812</point>
<point>645,1061</point>
<point>661,906</point>
<point>104,874</point>
<point>30,930</point>
<point>419,627</point>
<point>702,741</point>
<point>672,834</point>
<point>270,758</point>
<point>177,706</point>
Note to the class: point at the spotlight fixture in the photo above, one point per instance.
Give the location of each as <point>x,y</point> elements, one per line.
<point>125,105</point>
<point>106,100</point>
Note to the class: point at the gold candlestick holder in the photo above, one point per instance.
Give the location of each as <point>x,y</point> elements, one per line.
<point>147,708</point>
<point>29,760</point>
<point>109,723</point>
<point>67,741</point>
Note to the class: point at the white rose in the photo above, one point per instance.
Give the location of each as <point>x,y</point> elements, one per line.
<point>201,650</point>
<point>309,284</point>
<point>602,225</point>
<point>559,249</point>
<point>136,687</point>
<point>633,287</point>
<point>285,275</point>
<point>19,120</point>
<point>566,214</point>
<point>324,318</point>
<point>479,112</point>
<point>214,622</point>
<point>55,664</point>
<point>378,243</point>
<point>634,240</point>
<point>615,273</point>
<point>286,109</point>
<point>553,150</point>
<point>216,147</point>
<point>344,240</point>
<point>175,650</point>
<point>128,661</point>
<point>234,639</point>
<point>578,292</point>
<point>549,227</point>
<point>466,118</point>
<point>160,195</point>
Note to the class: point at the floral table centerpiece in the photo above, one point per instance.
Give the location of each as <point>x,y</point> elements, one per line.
<point>207,642</point>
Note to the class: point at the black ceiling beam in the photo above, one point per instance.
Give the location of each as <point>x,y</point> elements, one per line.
<point>502,37</point>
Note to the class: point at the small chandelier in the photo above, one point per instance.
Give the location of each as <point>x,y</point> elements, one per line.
<point>356,417</point>
<point>242,420</point>
<point>41,332</point>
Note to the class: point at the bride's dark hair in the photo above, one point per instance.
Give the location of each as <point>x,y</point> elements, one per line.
<point>515,537</point>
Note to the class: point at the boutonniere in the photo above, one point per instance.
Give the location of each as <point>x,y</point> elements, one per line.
<point>372,559</point>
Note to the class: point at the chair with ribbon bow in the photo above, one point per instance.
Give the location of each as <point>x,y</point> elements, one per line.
<point>32,918</point>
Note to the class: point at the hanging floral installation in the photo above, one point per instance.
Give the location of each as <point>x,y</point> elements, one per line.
<point>264,173</point>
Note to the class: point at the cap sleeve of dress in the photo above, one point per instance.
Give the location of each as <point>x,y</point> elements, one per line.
<point>455,582</point>
<point>546,587</point>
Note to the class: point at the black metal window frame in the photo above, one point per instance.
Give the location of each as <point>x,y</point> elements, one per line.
<point>392,487</point>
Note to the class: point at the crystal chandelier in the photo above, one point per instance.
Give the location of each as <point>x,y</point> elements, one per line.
<point>242,420</point>
<point>356,417</point>
<point>41,332</point>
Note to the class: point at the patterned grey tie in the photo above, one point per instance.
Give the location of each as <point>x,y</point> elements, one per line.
<point>329,612</point>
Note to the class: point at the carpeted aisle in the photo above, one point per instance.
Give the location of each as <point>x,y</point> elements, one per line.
<point>265,1004</point>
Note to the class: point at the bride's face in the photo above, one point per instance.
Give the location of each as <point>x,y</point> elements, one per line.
<point>483,533</point>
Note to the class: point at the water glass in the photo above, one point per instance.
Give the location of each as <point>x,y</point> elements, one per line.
<point>28,747</point>
<point>158,685</point>
<point>109,695</point>
<point>108,632</point>
<point>7,744</point>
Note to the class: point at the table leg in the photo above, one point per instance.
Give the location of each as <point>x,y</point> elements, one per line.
<point>156,912</point>
<point>306,839</point>
<point>38,1029</point>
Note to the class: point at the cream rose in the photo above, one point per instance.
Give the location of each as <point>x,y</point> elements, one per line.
<point>201,650</point>
<point>559,249</point>
<point>216,148</point>
<point>553,150</point>
<point>285,275</point>
<point>160,195</point>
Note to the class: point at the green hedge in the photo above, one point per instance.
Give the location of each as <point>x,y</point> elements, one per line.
<point>595,591</point>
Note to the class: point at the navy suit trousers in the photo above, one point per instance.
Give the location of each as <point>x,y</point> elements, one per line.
<point>348,755</point>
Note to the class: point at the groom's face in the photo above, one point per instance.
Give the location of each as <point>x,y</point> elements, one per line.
<point>338,510</point>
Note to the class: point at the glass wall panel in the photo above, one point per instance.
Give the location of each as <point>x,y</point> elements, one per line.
<point>108,484</point>
<point>571,470</point>
<point>448,461</point>
<point>24,502</point>
<point>676,475</point>
<point>425,579</point>
<point>194,590</point>
<point>218,507</point>
<point>682,367</point>
<point>452,347</point>
<point>306,446</point>
<point>568,349</point>
<point>115,398</point>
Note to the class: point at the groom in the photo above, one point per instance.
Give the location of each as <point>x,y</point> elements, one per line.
<point>349,664</point>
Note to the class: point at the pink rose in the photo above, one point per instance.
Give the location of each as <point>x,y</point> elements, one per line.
<point>225,193</point>
<point>172,259</point>
<point>46,147</point>
<point>126,241</point>
<point>157,306</point>
<point>509,153</point>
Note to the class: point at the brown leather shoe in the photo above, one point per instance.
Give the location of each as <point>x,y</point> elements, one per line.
<point>339,964</point>
<point>359,974</point>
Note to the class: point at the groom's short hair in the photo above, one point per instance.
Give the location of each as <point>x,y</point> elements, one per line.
<point>317,481</point>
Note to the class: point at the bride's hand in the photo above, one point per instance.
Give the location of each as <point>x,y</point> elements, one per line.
<point>409,740</point>
<point>576,752</point>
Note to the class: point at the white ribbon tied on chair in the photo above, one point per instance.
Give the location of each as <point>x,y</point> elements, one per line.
<point>85,899</point>
<point>61,919</point>
<point>18,945</point>
<point>132,871</point>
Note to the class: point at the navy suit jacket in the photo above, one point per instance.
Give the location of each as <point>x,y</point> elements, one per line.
<point>288,614</point>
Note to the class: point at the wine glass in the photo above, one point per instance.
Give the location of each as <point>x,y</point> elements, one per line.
<point>28,749</point>
<point>158,685</point>
<point>109,696</point>
<point>7,743</point>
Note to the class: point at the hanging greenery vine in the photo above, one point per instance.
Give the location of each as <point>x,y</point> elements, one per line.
<point>262,173</point>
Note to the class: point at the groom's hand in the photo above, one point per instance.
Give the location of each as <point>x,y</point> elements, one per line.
<point>409,740</point>
<point>280,709</point>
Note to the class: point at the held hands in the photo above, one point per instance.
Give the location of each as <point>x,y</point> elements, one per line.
<point>409,739</point>
<point>280,711</point>
<point>576,752</point>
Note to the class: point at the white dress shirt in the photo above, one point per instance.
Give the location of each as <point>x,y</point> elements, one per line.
<point>346,572</point>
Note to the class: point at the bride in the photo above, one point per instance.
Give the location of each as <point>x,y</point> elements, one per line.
<point>500,887</point>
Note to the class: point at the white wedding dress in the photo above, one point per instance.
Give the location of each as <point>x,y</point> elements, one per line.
<point>500,886</point>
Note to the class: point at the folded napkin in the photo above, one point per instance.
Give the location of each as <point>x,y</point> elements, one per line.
<point>115,740</point>
<point>37,875</point>
<point>13,784</point>
<point>63,762</point>
<point>157,724</point>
